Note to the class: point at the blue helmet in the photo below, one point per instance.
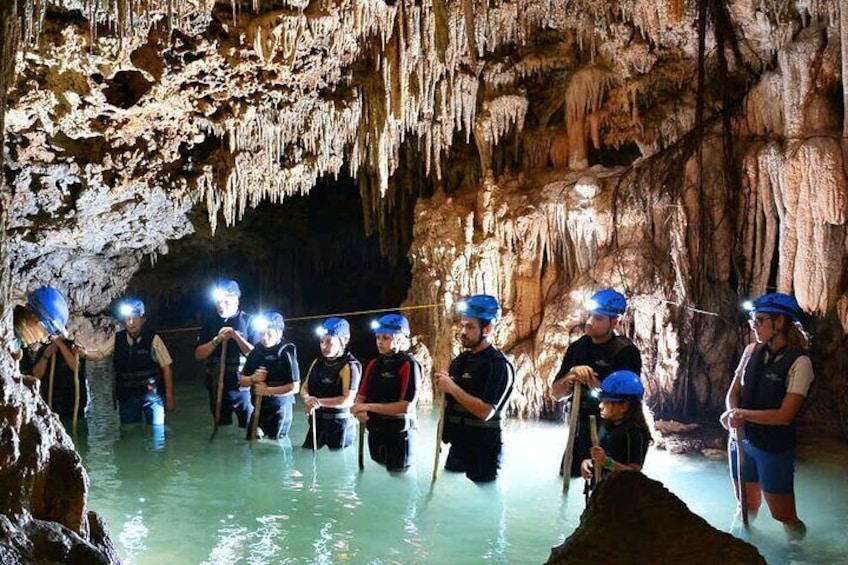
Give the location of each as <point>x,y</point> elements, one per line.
<point>622,386</point>
<point>131,307</point>
<point>51,308</point>
<point>607,302</point>
<point>225,287</point>
<point>481,306</point>
<point>334,327</point>
<point>777,303</point>
<point>392,324</point>
<point>268,321</point>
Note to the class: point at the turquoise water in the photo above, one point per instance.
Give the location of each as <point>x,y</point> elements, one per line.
<point>195,501</point>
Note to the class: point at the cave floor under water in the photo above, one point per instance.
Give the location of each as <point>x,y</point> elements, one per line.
<point>189,500</point>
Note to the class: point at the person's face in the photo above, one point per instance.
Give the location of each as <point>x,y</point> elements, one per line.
<point>765,325</point>
<point>227,306</point>
<point>386,344</point>
<point>331,346</point>
<point>470,332</point>
<point>598,325</point>
<point>134,324</point>
<point>271,337</point>
<point>613,411</point>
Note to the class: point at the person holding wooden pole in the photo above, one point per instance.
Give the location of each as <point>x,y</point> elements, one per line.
<point>767,391</point>
<point>272,372</point>
<point>229,326</point>
<point>388,394</point>
<point>589,360</point>
<point>60,360</point>
<point>330,388</point>
<point>622,442</point>
<point>476,388</point>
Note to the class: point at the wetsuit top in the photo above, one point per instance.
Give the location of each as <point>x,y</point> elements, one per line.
<point>390,378</point>
<point>63,382</point>
<point>134,365</point>
<point>281,362</point>
<point>329,378</point>
<point>625,443</point>
<point>489,376</point>
<point>235,359</point>
<point>617,354</point>
<point>763,388</point>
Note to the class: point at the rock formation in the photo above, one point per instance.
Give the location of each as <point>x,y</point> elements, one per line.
<point>633,519</point>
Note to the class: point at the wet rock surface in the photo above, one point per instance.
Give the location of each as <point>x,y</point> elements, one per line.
<point>633,519</point>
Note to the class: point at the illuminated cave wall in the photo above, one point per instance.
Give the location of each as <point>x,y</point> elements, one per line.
<point>717,150</point>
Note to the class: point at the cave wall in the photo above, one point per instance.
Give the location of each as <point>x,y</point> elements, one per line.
<point>714,136</point>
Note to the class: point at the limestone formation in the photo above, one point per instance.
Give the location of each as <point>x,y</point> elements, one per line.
<point>633,519</point>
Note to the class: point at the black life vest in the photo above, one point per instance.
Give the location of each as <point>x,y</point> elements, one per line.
<point>136,371</point>
<point>764,388</point>
<point>603,366</point>
<point>388,379</point>
<point>235,359</point>
<point>325,381</point>
<point>275,360</point>
<point>469,372</point>
<point>63,383</point>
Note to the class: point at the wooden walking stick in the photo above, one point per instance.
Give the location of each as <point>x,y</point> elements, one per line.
<point>361,446</point>
<point>50,381</point>
<point>219,397</point>
<point>314,431</point>
<point>740,467</point>
<point>572,432</point>
<point>439,430</point>
<point>593,430</point>
<point>76,392</point>
<point>254,424</point>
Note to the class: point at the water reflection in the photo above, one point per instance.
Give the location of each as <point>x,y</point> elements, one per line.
<point>175,497</point>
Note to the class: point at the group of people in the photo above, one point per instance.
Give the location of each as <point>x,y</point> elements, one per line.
<point>252,367</point>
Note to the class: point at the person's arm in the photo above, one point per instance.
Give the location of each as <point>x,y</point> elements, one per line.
<point>482,407</point>
<point>734,394</point>
<point>101,354</point>
<point>39,368</point>
<point>168,380</point>
<point>244,346</point>
<point>68,355</point>
<point>207,343</point>
<point>782,416</point>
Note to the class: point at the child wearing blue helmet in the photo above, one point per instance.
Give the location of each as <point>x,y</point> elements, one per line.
<point>768,389</point>
<point>624,436</point>
<point>330,387</point>
<point>388,393</point>
<point>271,371</point>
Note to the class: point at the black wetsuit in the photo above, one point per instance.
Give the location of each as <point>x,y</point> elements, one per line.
<point>387,379</point>
<point>329,378</point>
<point>617,354</point>
<point>476,445</point>
<point>235,398</point>
<point>280,360</point>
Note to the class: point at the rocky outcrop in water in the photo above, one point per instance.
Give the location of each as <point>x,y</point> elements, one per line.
<point>43,486</point>
<point>633,519</point>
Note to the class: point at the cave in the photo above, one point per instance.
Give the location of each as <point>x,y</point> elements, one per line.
<point>689,153</point>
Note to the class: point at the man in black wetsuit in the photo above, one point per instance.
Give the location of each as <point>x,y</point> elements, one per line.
<point>477,387</point>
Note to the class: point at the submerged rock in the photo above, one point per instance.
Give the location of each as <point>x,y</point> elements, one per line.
<point>633,519</point>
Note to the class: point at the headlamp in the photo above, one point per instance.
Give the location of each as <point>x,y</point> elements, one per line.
<point>320,331</point>
<point>261,324</point>
<point>748,306</point>
<point>125,311</point>
<point>591,305</point>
